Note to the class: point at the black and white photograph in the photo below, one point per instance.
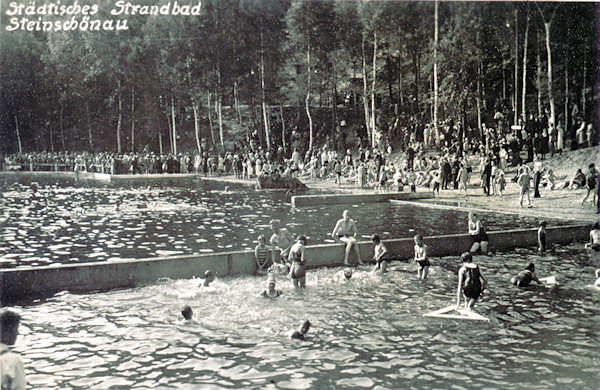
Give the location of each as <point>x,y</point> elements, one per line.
<point>299,194</point>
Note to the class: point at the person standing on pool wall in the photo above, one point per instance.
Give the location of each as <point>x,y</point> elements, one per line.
<point>479,238</point>
<point>471,282</point>
<point>345,232</point>
<point>297,258</point>
<point>421,258</point>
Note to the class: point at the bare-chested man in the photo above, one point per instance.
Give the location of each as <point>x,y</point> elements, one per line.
<point>345,232</point>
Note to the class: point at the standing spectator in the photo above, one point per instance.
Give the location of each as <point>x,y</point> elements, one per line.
<point>560,138</point>
<point>589,134</point>
<point>12,372</point>
<point>410,153</point>
<point>523,182</point>
<point>580,135</point>
<point>537,175</point>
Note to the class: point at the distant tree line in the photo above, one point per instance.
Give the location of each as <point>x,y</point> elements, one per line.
<point>166,79</point>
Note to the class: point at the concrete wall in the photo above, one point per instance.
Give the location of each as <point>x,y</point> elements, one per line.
<point>44,281</point>
<point>328,199</point>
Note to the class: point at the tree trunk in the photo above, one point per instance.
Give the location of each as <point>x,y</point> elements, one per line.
<point>237,103</point>
<point>435,76</point>
<point>220,119</point>
<point>174,127</point>
<point>365,99</point>
<point>400,89</point>
<point>133,118</point>
<point>523,110</point>
<point>516,90</point>
<point>503,83</point>
<point>160,148</point>
<point>547,26</point>
<point>373,113</point>
<point>60,125</point>
<point>566,124</point>
<point>51,136</point>
<point>307,102</point>
<point>334,93</point>
<point>262,92</point>
<point>170,132</point>
<point>196,124</point>
<point>390,79</point>
<point>282,129</point>
<point>538,78</point>
<point>89,124</point>
<point>210,123</point>
<point>583,98</point>
<point>18,134</point>
<point>487,142</point>
<point>120,117</point>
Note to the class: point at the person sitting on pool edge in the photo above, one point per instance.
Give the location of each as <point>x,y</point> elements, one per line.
<point>479,237</point>
<point>300,334</point>
<point>471,282</point>
<point>187,312</point>
<point>525,277</point>
<point>298,262</point>
<point>345,232</point>
<point>271,292</point>
<point>594,238</point>
<point>379,255</point>
<point>421,257</point>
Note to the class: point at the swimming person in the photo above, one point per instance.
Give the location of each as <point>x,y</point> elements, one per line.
<point>261,255</point>
<point>479,238</point>
<point>525,277</point>
<point>187,312</point>
<point>345,232</point>
<point>594,238</point>
<point>542,237</point>
<point>300,334</point>
<point>297,259</point>
<point>271,292</point>
<point>12,372</point>
<point>421,257</point>
<point>597,282</point>
<point>281,239</point>
<point>380,252</point>
<point>209,277</point>
<point>471,282</point>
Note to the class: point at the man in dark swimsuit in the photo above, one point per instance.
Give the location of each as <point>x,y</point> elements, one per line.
<point>525,277</point>
<point>471,282</point>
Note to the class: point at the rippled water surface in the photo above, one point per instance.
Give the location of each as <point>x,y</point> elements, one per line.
<point>50,222</point>
<point>366,333</point>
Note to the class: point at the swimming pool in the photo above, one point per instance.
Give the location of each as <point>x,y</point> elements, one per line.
<point>367,333</point>
<point>63,222</point>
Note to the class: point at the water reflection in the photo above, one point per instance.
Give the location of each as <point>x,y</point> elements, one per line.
<point>366,332</point>
<point>68,222</point>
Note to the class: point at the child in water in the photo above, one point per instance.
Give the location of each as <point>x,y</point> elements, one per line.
<point>525,277</point>
<point>271,292</point>
<point>187,313</point>
<point>421,257</point>
<point>542,237</point>
<point>261,255</point>
<point>380,252</point>
<point>471,282</point>
<point>594,238</point>
<point>300,334</point>
<point>209,277</point>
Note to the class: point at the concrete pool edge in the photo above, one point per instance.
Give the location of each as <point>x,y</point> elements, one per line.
<point>23,284</point>
<point>329,199</point>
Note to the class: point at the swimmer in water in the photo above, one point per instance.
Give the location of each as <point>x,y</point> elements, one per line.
<point>421,258</point>
<point>594,238</point>
<point>525,277</point>
<point>271,292</point>
<point>297,258</point>
<point>187,313</point>
<point>597,282</point>
<point>471,282</point>
<point>542,237</point>
<point>343,276</point>
<point>209,277</point>
<point>300,334</point>
<point>380,252</point>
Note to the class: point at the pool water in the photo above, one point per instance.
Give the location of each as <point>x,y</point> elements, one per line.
<point>64,222</point>
<point>368,332</point>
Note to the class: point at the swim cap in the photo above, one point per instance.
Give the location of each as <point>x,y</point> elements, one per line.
<point>270,280</point>
<point>348,273</point>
